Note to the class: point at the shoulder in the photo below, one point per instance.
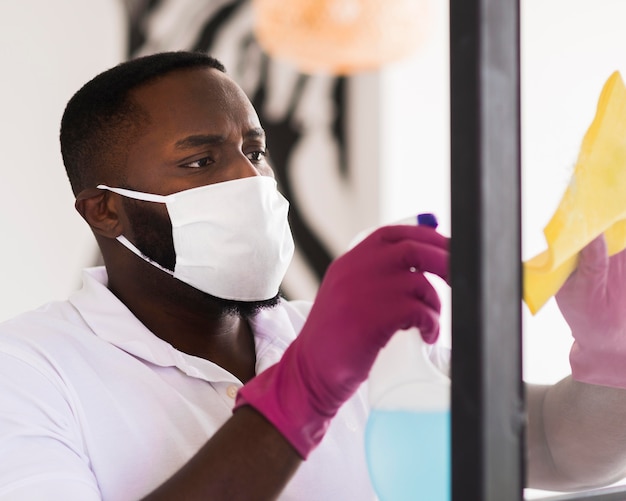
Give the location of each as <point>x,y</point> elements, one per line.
<point>51,318</point>
<point>56,318</point>
<point>43,338</point>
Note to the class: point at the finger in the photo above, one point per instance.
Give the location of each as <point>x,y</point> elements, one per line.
<point>589,277</point>
<point>424,291</point>
<point>427,321</point>
<point>592,268</point>
<point>617,266</point>
<point>594,257</point>
<point>422,233</point>
<point>428,310</point>
<point>420,308</point>
<point>424,258</point>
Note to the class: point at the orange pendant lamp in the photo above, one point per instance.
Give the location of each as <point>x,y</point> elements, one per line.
<point>340,36</point>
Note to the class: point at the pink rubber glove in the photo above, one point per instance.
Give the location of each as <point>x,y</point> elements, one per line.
<point>366,295</point>
<point>593,302</point>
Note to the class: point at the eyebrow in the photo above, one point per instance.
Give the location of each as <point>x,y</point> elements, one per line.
<point>213,139</point>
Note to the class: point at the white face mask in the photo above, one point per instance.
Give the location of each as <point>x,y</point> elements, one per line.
<point>232,239</point>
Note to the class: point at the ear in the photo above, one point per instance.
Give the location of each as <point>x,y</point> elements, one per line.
<point>101,211</point>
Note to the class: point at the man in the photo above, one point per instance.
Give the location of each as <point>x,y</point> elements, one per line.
<point>133,380</point>
<point>177,372</point>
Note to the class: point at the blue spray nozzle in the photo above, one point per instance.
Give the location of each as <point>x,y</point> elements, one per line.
<point>427,219</point>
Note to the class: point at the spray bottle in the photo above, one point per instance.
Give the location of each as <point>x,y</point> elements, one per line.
<point>407,438</point>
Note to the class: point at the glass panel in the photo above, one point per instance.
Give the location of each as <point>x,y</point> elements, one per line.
<point>569,49</point>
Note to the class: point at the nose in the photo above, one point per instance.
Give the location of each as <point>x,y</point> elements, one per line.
<point>243,167</point>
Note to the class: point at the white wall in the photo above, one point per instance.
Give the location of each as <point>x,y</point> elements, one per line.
<point>48,49</point>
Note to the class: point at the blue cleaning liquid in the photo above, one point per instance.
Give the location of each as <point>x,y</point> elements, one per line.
<point>408,455</point>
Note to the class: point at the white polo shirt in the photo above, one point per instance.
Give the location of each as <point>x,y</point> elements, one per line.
<point>94,406</point>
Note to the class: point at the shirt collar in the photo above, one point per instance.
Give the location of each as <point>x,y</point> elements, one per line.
<point>273,328</point>
<point>113,322</point>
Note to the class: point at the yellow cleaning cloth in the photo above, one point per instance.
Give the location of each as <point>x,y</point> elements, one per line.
<point>594,201</point>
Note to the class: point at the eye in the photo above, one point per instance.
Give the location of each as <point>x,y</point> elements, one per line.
<point>257,156</point>
<point>197,164</point>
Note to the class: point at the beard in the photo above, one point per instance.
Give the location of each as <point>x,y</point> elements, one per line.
<point>151,231</point>
<point>152,235</point>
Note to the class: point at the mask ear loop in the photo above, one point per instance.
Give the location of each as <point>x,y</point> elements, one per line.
<point>129,245</point>
<point>138,195</point>
<point>147,197</point>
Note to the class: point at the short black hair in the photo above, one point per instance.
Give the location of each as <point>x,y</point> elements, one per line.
<point>101,118</point>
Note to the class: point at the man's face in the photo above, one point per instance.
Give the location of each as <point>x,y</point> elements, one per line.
<point>202,130</point>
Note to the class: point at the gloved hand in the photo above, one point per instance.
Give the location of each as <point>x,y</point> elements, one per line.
<point>593,302</point>
<point>368,294</point>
